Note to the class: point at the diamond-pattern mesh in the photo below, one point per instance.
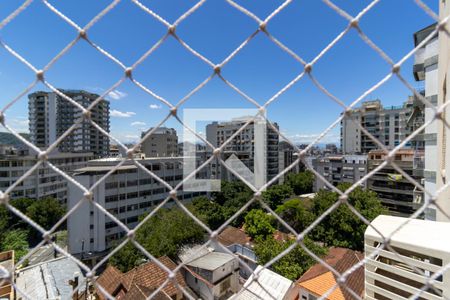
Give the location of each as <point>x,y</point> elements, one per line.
<point>261,28</point>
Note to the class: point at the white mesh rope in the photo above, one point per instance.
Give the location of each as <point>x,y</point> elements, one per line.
<point>304,72</point>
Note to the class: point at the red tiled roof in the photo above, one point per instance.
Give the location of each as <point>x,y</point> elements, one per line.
<point>138,292</point>
<point>146,277</point>
<point>341,260</point>
<point>109,280</point>
<point>232,235</point>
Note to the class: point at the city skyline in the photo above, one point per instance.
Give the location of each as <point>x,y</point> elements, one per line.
<point>162,73</point>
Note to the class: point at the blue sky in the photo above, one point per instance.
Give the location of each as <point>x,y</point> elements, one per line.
<point>215,30</point>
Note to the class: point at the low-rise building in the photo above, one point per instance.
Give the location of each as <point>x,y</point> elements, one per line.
<point>268,285</point>
<point>417,251</point>
<point>6,265</point>
<point>396,192</point>
<point>239,243</point>
<point>127,193</point>
<point>44,182</point>
<point>213,275</point>
<point>141,282</point>
<point>319,280</point>
<point>338,169</point>
<point>60,278</point>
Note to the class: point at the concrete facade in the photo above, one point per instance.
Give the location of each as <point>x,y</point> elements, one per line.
<point>387,124</point>
<point>243,146</point>
<point>213,276</point>
<point>426,70</point>
<point>127,194</point>
<point>163,142</point>
<point>397,193</point>
<point>338,169</point>
<point>44,182</point>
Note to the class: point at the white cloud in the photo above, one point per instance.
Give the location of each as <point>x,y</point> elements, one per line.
<point>19,124</point>
<point>126,137</point>
<point>138,123</point>
<point>121,114</point>
<point>116,94</point>
<point>155,106</point>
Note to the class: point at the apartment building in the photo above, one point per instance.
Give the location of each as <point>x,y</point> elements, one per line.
<point>387,124</point>
<point>399,195</point>
<point>163,142</point>
<point>425,70</point>
<point>416,252</point>
<point>286,157</point>
<point>339,169</point>
<point>212,275</point>
<point>243,145</point>
<point>127,193</point>
<point>51,115</point>
<point>44,182</point>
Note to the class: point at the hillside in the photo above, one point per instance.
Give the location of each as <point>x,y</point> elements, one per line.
<point>7,138</point>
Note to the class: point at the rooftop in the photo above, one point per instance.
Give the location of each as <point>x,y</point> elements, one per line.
<point>211,261</point>
<point>319,279</point>
<point>140,281</point>
<point>232,235</point>
<point>269,285</point>
<point>427,234</point>
<point>50,279</point>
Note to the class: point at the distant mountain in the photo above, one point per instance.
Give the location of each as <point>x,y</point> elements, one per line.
<point>7,138</point>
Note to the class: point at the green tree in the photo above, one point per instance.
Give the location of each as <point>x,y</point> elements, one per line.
<point>232,196</point>
<point>301,183</point>
<point>165,233</point>
<point>15,240</point>
<point>127,258</point>
<point>4,219</point>
<point>294,263</point>
<point>208,211</point>
<point>232,190</point>
<point>276,194</point>
<point>296,214</point>
<point>258,224</point>
<point>342,228</point>
<point>46,212</point>
<point>22,204</point>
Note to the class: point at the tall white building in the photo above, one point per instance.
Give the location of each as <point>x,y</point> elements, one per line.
<point>443,134</point>
<point>426,69</point>
<point>243,146</point>
<point>127,194</point>
<point>51,115</point>
<point>387,124</point>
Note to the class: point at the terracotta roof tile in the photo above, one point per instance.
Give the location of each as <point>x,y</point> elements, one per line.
<point>138,292</point>
<point>109,279</point>
<point>341,260</point>
<point>321,284</point>
<point>232,235</point>
<point>148,276</point>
